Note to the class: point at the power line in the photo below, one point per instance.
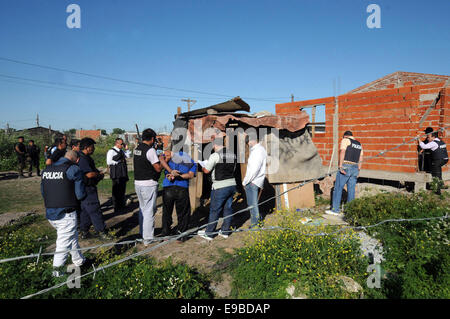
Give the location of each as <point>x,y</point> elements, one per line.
<point>124,81</point>
<point>88,87</point>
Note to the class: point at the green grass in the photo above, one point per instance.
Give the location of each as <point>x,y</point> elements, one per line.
<point>20,195</point>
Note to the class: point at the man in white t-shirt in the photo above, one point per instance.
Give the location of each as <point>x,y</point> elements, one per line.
<point>254,177</point>
<point>147,169</point>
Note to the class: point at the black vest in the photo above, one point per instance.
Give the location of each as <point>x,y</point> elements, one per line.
<point>143,169</point>
<point>226,166</point>
<point>58,190</point>
<point>441,152</point>
<point>118,170</point>
<point>353,151</point>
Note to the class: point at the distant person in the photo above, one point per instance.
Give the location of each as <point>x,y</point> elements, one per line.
<point>222,166</point>
<point>425,154</point>
<point>21,152</point>
<point>439,156</point>
<point>147,170</point>
<point>179,169</point>
<point>350,161</point>
<point>90,206</point>
<point>254,177</point>
<point>58,151</point>
<point>33,157</point>
<point>62,188</point>
<point>116,159</point>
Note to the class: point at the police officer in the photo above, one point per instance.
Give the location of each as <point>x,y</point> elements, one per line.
<point>33,152</point>
<point>222,167</point>
<point>62,188</point>
<point>147,169</point>
<point>90,206</point>
<point>118,171</point>
<point>21,151</point>
<point>350,160</point>
<point>58,151</point>
<point>439,156</point>
<point>425,155</point>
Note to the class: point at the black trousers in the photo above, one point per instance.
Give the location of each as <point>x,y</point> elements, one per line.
<point>178,196</point>
<point>33,162</point>
<point>436,170</point>
<point>21,162</point>
<point>119,187</point>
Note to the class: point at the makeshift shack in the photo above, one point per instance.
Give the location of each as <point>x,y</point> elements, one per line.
<point>292,156</point>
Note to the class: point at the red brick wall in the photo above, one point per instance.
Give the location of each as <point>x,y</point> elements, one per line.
<point>94,134</point>
<point>380,120</point>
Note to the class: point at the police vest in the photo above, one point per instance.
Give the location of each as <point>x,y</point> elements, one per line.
<point>143,169</point>
<point>226,166</point>
<point>441,152</point>
<point>353,151</point>
<point>58,190</point>
<point>118,170</point>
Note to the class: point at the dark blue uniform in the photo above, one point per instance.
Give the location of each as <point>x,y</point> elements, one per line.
<point>90,205</point>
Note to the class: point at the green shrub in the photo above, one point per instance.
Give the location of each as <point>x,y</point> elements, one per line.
<point>417,254</point>
<point>273,260</point>
<point>137,278</point>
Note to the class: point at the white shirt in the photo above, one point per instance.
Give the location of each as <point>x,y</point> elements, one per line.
<point>111,154</point>
<point>256,167</point>
<point>153,159</point>
<point>430,145</point>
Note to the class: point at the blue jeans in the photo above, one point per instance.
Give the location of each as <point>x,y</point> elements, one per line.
<point>252,191</point>
<point>350,179</point>
<point>90,213</point>
<point>221,200</point>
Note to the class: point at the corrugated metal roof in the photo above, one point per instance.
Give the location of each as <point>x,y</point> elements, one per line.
<point>233,105</point>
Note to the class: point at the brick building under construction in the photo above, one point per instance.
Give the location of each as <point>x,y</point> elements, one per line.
<point>382,114</point>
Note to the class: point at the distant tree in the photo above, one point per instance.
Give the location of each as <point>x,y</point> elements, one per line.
<point>118,131</point>
<point>103,132</point>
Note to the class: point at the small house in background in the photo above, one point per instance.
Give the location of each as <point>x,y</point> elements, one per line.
<point>41,132</point>
<point>94,134</point>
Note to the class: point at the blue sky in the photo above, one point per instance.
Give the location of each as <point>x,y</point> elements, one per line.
<point>259,50</point>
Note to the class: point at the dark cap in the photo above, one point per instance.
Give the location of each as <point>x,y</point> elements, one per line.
<point>428,130</point>
<point>348,133</point>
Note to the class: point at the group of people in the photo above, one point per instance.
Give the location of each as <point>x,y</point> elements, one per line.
<point>69,189</point>
<point>179,168</point>
<point>27,155</point>
<point>70,178</point>
<point>432,151</point>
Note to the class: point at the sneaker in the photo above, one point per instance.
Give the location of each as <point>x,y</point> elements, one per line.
<point>147,242</point>
<point>221,234</point>
<point>330,212</point>
<point>105,236</point>
<point>58,272</point>
<point>202,233</point>
<point>85,235</point>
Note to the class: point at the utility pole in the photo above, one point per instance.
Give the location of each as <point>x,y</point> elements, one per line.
<point>292,97</point>
<point>7,128</point>
<point>189,103</point>
<point>37,120</point>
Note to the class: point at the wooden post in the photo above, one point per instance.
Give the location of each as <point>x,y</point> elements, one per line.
<point>313,119</point>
